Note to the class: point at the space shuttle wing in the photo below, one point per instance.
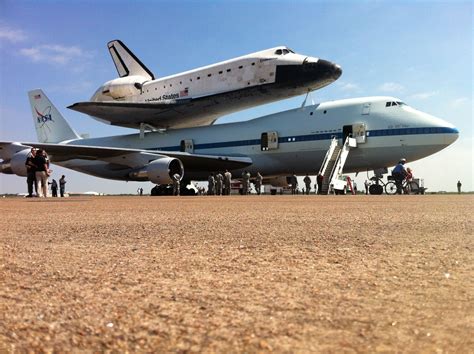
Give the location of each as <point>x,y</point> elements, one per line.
<point>134,157</point>
<point>131,115</point>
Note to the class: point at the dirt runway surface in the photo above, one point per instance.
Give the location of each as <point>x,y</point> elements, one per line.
<point>238,274</point>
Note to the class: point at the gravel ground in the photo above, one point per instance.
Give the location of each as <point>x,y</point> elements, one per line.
<point>238,274</point>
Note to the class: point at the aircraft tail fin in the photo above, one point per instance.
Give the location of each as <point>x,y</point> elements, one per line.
<point>50,125</point>
<point>126,62</point>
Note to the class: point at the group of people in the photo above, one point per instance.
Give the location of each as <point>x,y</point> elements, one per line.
<point>307,183</point>
<point>38,171</point>
<point>220,184</point>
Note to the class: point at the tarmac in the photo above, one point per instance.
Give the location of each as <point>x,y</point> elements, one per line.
<point>330,274</point>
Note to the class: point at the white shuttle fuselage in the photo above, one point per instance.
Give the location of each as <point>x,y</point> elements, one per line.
<point>199,96</point>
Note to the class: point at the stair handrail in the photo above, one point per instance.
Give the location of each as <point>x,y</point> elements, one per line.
<point>329,153</point>
<point>340,161</point>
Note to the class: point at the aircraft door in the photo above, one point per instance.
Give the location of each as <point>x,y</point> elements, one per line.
<point>186,145</point>
<point>358,132</point>
<point>269,141</point>
<point>346,131</point>
<point>366,108</point>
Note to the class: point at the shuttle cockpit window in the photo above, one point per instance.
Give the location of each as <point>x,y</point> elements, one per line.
<point>283,51</point>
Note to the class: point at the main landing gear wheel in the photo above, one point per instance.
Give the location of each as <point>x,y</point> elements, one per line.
<point>375,189</point>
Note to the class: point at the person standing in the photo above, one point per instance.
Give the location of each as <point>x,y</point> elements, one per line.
<point>245,182</point>
<point>366,185</point>
<point>459,187</point>
<point>176,183</point>
<point>294,183</point>
<point>42,173</point>
<point>62,185</point>
<point>258,183</point>
<point>227,181</point>
<point>54,188</point>
<point>211,184</point>
<point>219,183</point>
<point>307,183</point>
<point>31,172</point>
<point>319,181</point>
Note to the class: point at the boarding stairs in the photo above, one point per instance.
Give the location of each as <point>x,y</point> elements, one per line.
<point>334,162</point>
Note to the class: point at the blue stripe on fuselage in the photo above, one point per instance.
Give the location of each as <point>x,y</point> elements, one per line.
<point>322,136</point>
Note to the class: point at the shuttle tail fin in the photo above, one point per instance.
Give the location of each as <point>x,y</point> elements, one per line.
<point>126,62</point>
<point>50,125</point>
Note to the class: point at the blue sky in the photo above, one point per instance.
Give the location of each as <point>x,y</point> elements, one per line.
<point>420,52</point>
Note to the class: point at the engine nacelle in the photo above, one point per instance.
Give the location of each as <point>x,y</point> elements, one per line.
<point>159,171</point>
<point>123,86</point>
<point>16,165</point>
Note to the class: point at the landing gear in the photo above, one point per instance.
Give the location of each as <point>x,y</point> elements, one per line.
<point>375,189</point>
<point>167,189</point>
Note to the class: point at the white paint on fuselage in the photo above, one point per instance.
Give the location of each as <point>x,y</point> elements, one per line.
<point>244,72</point>
<point>305,156</point>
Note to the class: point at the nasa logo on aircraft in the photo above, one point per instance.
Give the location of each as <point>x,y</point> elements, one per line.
<point>45,116</point>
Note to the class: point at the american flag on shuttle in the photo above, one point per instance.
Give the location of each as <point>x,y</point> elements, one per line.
<point>37,97</point>
<point>183,93</point>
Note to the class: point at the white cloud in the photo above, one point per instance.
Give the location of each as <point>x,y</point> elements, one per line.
<point>349,87</point>
<point>391,87</point>
<point>424,95</point>
<point>459,101</point>
<point>75,87</point>
<point>54,53</point>
<point>12,35</point>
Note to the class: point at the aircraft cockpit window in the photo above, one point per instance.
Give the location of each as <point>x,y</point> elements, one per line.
<point>285,51</point>
<point>278,52</point>
<point>393,103</point>
<point>401,103</point>
<point>291,51</point>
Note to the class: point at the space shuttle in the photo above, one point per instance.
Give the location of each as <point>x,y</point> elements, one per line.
<point>137,99</point>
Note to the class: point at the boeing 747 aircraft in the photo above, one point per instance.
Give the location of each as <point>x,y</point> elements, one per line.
<point>276,145</point>
<point>198,97</point>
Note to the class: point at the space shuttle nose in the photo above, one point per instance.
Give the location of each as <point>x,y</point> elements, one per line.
<point>333,70</point>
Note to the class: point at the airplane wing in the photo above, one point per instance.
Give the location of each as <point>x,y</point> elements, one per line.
<point>134,157</point>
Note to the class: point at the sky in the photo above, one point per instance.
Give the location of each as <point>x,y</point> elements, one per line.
<point>418,51</point>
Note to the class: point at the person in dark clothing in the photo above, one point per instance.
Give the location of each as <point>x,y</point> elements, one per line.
<point>399,173</point>
<point>30,173</point>
<point>62,185</point>
<point>42,173</point>
<point>54,188</point>
<point>319,180</point>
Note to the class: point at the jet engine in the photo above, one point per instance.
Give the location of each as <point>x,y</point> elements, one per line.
<point>16,165</point>
<point>121,87</point>
<point>159,171</point>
